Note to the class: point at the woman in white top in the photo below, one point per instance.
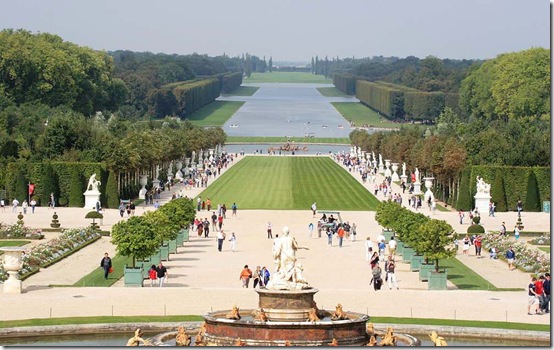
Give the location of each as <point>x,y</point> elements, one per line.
<point>368,249</point>
<point>233,241</point>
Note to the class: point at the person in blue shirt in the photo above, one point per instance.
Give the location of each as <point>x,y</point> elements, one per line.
<point>510,256</point>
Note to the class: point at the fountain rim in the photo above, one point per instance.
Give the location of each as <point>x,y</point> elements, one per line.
<point>286,291</point>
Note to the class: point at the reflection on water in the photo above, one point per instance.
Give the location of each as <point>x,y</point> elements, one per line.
<point>121,340</point>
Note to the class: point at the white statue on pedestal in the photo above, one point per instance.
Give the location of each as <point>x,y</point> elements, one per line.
<point>417,175</point>
<point>404,169</point>
<point>92,194</point>
<point>289,273</point>
<point>482,186</point>
<point>482,197</point>
<point>93,184</point>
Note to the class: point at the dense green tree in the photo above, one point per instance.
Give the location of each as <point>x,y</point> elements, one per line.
<point>270,65</point>
<point>21,187</point>
<point>464,194</point>
<point>50,185</point>
<point>435,240</point>
<point>135,238</point>
<point>112,194</point>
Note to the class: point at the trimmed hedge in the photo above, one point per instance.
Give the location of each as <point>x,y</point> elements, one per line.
<point>424,105</point>
<point>532,199</point>
<point>231,81</point>
<point>475,229</point>
<point>76,198</point>
<point>191,96</point>
<point>382,98</point>
<point>498,193</point>
<point>464,193</point>
<point>112,194</point>
<point>62,170</point>
<point>345,83</point>
<point>50,185</point>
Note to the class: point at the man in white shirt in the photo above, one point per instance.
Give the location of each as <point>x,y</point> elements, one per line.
<point>368,248</point>
<point>15,203</point>
<point>392,247</point>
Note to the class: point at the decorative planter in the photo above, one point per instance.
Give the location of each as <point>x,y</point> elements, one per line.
<point>186,235</point>
<point>133,276</point>
<point>424,270</point>
<point>172,246</point>
<point>179,238</point>
<point>145,264</point>
<point>164,252</point>
<point>407,253</point>
<point>415,262</point>
<point>399,246</point>
<point>436,280</point>
<point>155,258</point>
<point>12,264</point>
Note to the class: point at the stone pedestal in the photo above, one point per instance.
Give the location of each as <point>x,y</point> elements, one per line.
<point>91,197</point>
<point>156,183</point>
<point>285,305</point>
<point>417,188</point>
<point>395,177</point>
<point>404,179</point>
<point>482,201</point>
<point>143,180</point>
<point>12,264</point>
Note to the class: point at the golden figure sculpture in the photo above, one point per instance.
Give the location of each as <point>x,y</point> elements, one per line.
<point>182,339</point>
<point>312,315</point>
<point>137,339</point>
<point>438,341</point>
<point>334,342</point>
<point>339,314</point>
<point>370,329</point>
<point>389,339</point>
<point>260,315</point>
<point>372,341</point>
<point>239,342</point>
<point>233,314</point>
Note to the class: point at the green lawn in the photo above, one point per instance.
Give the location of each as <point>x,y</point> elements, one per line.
<point>465,278</point>
<point>545,249</point>
<point>243,91</point>
<point>292,183</point>
<point>258,139</point>
<point>331,92</point>
<point>96,277</point>
<point>286,77</point>
<point>360,114</point>
<point>215,114</point>
<point>7,243</point>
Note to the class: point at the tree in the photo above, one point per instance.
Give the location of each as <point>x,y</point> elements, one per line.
<point>270,64</point>
<point>498,192</point>
<point>435,240</point>
<point>112,194</point>
<point>464,194</point>
<point>532,199</point>
<point>135,238</point>
<point>21,191</point>
<point>76,198</point>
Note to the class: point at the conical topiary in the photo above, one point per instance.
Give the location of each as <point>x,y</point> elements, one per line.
<point>112,194</point>
<point>532,199</point>
<point>76,197</point>
<point>49,185</point>
<point>21,191</point>
<point>498,192</point>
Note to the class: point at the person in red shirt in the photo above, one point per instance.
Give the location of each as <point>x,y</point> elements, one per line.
<point>478,244</point>
<point>340,233</point>
<point>220,221</point>
<point>539,290</point>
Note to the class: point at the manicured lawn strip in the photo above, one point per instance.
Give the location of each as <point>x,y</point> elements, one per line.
<point>331,92</point>
<point>441,208</point>
<point>15,243</point>
<point>96,277</point>
<point>195,318</point>
<point>462,323</point>
<point>289,183</point>
<point>465,278</point>
<point>360,114</point>
<point>283,140</point>
<point>243,91</point>
<point>545,249</point>
<point>215,114</point>
<point>286,77</point>
<point>97,319</point>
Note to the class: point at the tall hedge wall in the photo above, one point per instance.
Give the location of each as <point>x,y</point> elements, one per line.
<point>345,83</point>
<point>515,181</point>
<point>231,81</point>
<point>387,100</point>
<point>63,170</point>
<point>195,95</point>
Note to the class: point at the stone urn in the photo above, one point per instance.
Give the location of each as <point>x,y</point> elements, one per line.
<point>13,262</point>
<point>429,184</point>
<point>388,173</point>
<point>187,162</point>
<point>143,180</point>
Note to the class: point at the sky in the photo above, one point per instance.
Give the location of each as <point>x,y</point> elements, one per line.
<point>292,30</point>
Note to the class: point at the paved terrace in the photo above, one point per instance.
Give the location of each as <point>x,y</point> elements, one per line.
<point>202,279</point>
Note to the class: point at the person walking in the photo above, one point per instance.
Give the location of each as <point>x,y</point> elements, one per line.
<point>516,232</point>
<point>374,260</point>
<point>461,216</point>
<point>106,264</point>
<point>24,206</point>
<point>15,203</point>
<point>353,235</point>
<point>214,221</point>
<point>532,298</point>
<point>33,205</point>
<point>478,245</point>
<point>233,241</point>
<point>152,275</point>
<point>392,247</point>
<point>220,239</point>
<point>220,222</point>
<point>465,245</point>
<point>269,233</point>
<point>510,256</point>
<point>2,205</point>
<point>234,209</point>
<point>258,278</point>
<point>245,276</point>
<point>314,209</point>
<point>368,248</point>
<point>310,229</point>
<point>390,265</point>
<point>340,233</point>
<point>376,277</point>
<point>546,286</point>
<point>162,274</point>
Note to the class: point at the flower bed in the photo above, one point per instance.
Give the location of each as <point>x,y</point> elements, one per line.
<point>18,231</point>
<point>44,255</point>
<point>527,259</point>
<point>542,240</point>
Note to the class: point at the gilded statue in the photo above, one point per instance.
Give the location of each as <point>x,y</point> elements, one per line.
<point>260,315</point>
<point>389,339</point>
<point>334,342</point>
<point>438,341</point>
<point>233,314</point>
<point>199,339</point>
<point>372,341</point>
<point>339,314</point>
<point>239,342</point>
<point>137,339</point>
<point>370,329</point>
<point>312,315</point>
<point>182,339</point>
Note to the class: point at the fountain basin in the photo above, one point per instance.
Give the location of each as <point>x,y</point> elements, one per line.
<point>285,305</point>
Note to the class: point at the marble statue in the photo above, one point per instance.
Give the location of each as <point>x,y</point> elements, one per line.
<point>404,169</point>
<point>289,274</point>
<point>380,159</point>
<point>482,186</point>
<point>416,175</point>
<point>93,184</point>
<point>438,341</point>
